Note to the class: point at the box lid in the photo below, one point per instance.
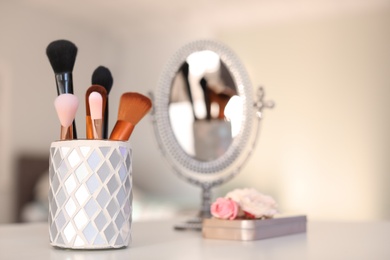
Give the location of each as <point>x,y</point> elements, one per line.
<point>247,229</point>
<point>252,223</point>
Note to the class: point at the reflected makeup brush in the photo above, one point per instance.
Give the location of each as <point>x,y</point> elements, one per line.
<point>102,76</point>
<point>96,108</point>
<point>206,95</point>
<point>62,56</point>
<point>132,108</point>
<point>88,107</point>
<point>66,106</point>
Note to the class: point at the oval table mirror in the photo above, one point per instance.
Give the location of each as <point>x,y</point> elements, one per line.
<point>206,117</point>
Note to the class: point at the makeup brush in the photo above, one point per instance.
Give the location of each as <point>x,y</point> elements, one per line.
<point>88,107</point>
<point>185,69</point>
<point>132,108</point>
<point>102,76</point>
<point>62,57</point>
<point>96,107</point>
<point>66,106</point>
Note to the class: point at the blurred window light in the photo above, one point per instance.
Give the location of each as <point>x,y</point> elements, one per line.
<point>202,62</point>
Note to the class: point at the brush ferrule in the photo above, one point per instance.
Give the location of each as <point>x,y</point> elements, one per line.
<point>66,133</point>
<point>122,131</point>
<point>97,128</point>
<point>64,82</point>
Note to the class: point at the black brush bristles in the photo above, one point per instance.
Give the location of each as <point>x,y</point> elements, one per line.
<point>62,55</point>
<point>102,77</point>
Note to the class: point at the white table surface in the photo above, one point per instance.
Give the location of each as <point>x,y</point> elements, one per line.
<point>158,240</point>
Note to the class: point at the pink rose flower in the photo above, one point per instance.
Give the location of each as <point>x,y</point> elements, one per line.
<point>224,208</point>
<point>253,203</point>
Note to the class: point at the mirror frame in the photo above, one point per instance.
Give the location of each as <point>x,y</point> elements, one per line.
<point>218,171</point>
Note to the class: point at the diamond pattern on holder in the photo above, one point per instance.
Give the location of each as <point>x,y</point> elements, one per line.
<point>120,220</point>
<point>103,198</point>
<point>93,184</point>
<point>128,161</point>
<point>112,208</point>
<point>126,208</point>
<point>64,151</point>
<point>78,242</point>
<point>62,170</point>
<point>70,184</point>
<point>113,185</point>
<point>54,208</point>
<point>61,221</point>
<point>85,150</point>
<point>70,207</point>
<point>91,207</point>
<point>81,172</point>
<point>123,151</point>
<point>110,232</point>
<point>90,196</point>
<point>121,195</point>
<point>80,219</point>
<point>90,232</point>
<point>94,160</point>
<point>69,232</point>
<point>103,172</point>
<point>127,185</point>
<point>53,229</point>
<point>115,158</point>
<point>73,158</point>
<point>57,158</point>
<point>122,172</point>
<point>81,195</point>
<point>105,150</point>
<point>60,197</point>
<point>100,221</point>
<point>104,168</point>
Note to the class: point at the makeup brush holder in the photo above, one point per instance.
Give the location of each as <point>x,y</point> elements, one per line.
<point>90,197</point>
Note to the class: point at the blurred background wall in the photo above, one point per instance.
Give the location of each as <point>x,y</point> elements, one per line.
<point>321,151</point>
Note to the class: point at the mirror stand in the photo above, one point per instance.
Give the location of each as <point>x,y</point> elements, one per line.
<point>196,222</point>
<point>206,202</point>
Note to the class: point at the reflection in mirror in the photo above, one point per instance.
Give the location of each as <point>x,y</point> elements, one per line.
<point>202,92</point>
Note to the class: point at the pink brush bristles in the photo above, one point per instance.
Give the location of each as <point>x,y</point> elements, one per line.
<point>95,101</point>
<point>96,105</point>
<point>66,106</point>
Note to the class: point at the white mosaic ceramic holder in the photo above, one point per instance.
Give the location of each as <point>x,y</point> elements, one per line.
<point>90,197</point>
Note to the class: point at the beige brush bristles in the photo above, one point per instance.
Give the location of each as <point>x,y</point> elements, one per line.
<point>132,108</point>
<point>89,124</point>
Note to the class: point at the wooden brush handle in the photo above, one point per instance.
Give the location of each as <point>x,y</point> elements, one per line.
<point>122,131</point>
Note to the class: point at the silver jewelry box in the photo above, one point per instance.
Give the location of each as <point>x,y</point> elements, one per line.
<point>256,229</point>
